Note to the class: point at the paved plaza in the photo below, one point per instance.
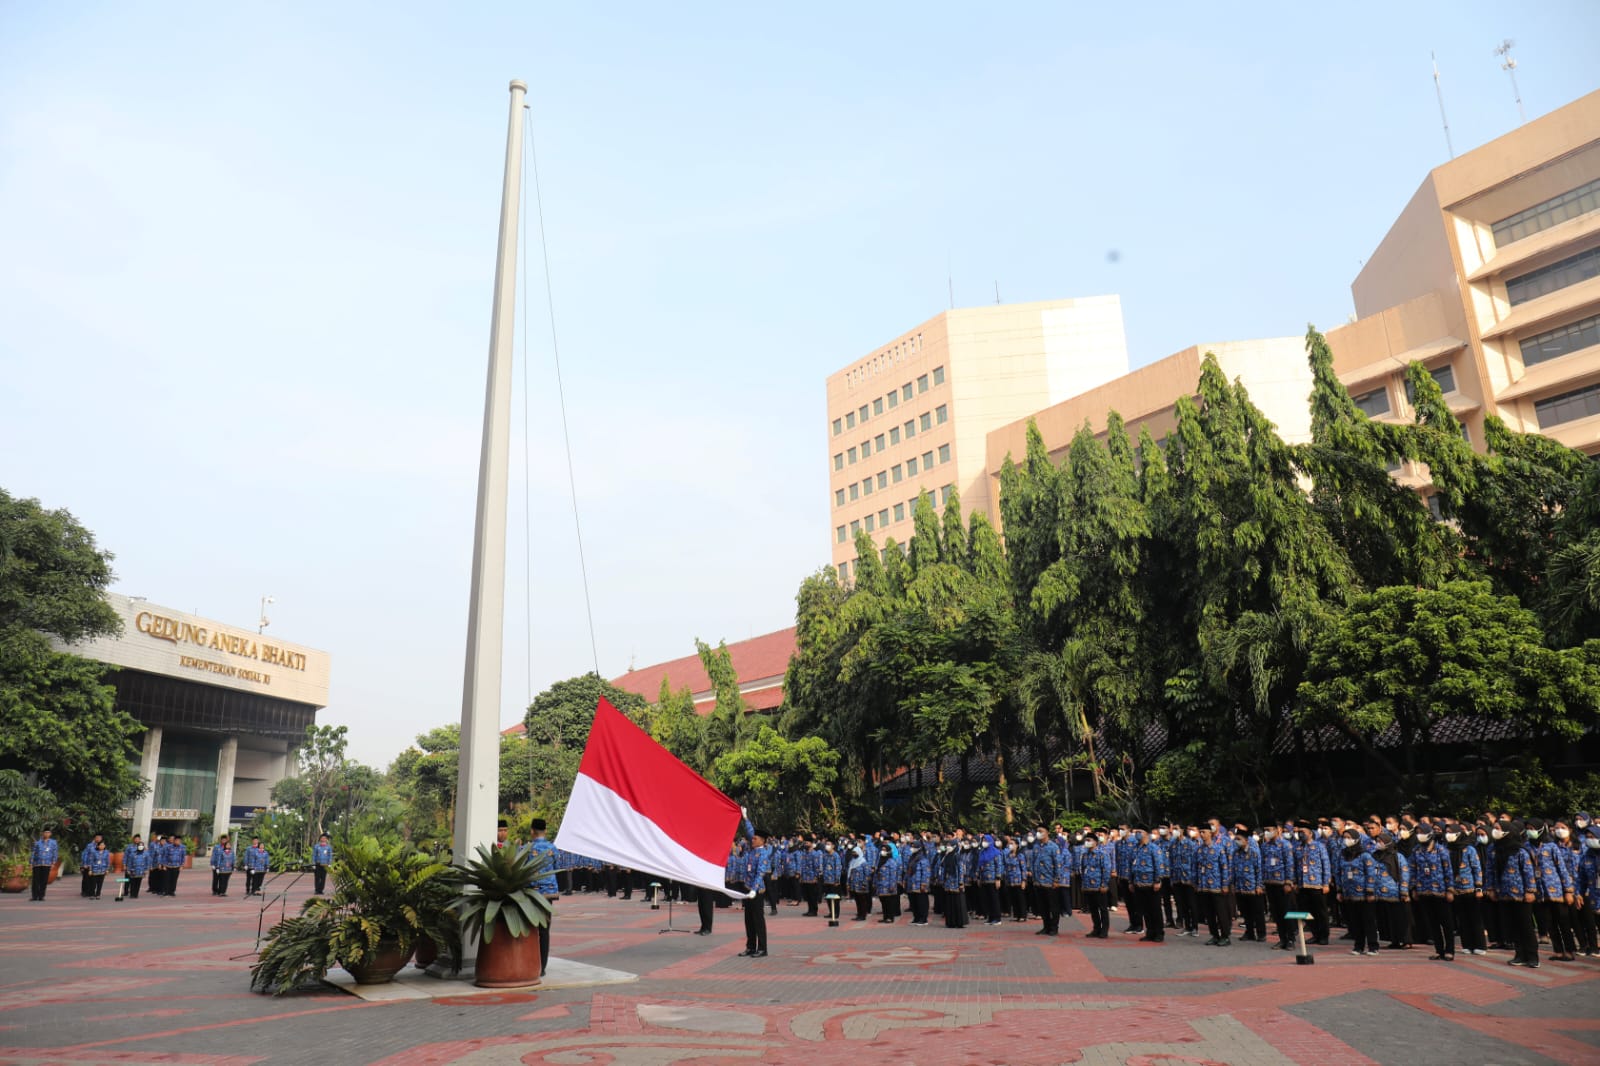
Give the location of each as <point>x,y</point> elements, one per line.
<point>154,980</point>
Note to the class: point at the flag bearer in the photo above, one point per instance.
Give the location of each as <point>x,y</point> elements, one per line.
<point>757,867</point>
<point>547,885</point>
<point>40,859</point>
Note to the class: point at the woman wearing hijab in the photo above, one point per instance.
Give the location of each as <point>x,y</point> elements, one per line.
<point>1513,886</point>
<point>1391,886</point>
<point>1552,892</point>
<point>1466,887</point>
<point>859,880</point>
<point>886,883</point>
<point>1357,872</point>
<point>955,897</point>
<point>988,876</point>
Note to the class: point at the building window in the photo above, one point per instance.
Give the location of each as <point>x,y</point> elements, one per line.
<point>838,497</point>
<point>855,527</point>
<point>927,461</point>
<point>944,453</point>
<point>941,414</point>
<point>944,494</point>
<point>866,486</point>
<point>877,406</point>
<point>850,420</point>
<point>1568,407</point>
<point>855,491</point>
<point>883,479</point>
<point>911,466</point>
<point>883,518</point>
<point>905,391</point>
<point>866,448</point>
<point>863,414</point>
<point>894,399</point>
<point>839,534</point>
<point>938,375</point>
<point>925,420</point>
<point>852,454</point>
<point>844,572</point>
<point>1444,375</point>
<point>1374,403</point>
<point>1436,507</point>
<point>894,435</point>
<point>1553,278</point>
<point>911,429</point>
<point>872,523</point>
<point>899,512</point>
<point>1466,433</point>
<point>838,460</point>
<point>895,472</point>
<point>877,442</point>
<point>1555,343</point>
<point>922,383</point>
<point>1579,201</point>
<point>838,426</point>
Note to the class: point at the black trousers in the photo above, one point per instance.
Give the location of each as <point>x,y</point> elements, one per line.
<point>1183,900</point>
<point>96,883</point>
<point>320,877</point>
<point>544,945</point>
<point>1438,923</point>
<point>41,881</point>
<point>811,892</point>
<point>1047,909</point>
<point>1469,922</point>
<point>1147,907</point>
<point>955,910</point>
<point>755,923</point>
<point>253,879</point>
<point>1361,916</point>
<point>83,884</point>
<point>1135,914</point>
<point>1217,913</point>
<point>1094,903</point>
<point>1555,918</point>
<point>991,901</point>
<point>219,882</point>
<point>1277,907</point>
<point>1516,924</point>
<point>1017,902</point>
<point>1393,922</point>
<point>1314,902</point>
<point>1167,901</point>
<point>157,876</point>
<point>707,906</point>
<point>891,906</point>
<point>1253,907</point>
<point>170,883</point>
<point>919,907</point>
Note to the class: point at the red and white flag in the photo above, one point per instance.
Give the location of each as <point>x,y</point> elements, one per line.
<point>636,805</point>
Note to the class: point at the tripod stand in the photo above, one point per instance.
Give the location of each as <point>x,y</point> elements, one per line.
<point>261,918</point>
<point>671,899</point>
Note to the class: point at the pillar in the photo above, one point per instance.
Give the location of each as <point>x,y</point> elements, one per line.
<point>149,766</point>
<point>227,764</point>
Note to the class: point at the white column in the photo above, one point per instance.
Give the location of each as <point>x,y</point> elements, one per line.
<point>478,780</point>
<point>227,766</point>
<point>149,765</point>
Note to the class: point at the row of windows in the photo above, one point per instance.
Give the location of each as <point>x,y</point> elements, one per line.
<point>1579,201</point>
<point>1542,282</point>
<point>889,401</point>
<point>892,476</point>
<point>1444,375</point>
<point>874,522</point>
<point>925,421</point>
<point>887,359</point>
<point>1568,407</point>
<point>1563,340</point>
<point>1376,402</point>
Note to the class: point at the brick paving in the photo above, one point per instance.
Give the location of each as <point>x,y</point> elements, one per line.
<point>156,980</point>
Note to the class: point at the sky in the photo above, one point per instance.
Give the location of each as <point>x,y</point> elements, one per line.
<point>247,252</point>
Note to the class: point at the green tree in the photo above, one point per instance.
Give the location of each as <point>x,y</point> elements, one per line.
<point>562,714</point>
<point>321,779</point>
<point>58,719</point>
<point>781,780</point>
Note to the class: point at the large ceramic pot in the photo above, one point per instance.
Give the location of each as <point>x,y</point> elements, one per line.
<point>55,872</point>
<point>507,961</point>
<point>116,862</point>
<point>16,878</point>
<point>427,951</point>
<point>380,969</point>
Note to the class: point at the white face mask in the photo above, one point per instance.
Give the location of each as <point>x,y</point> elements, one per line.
<point>1451,838</point>
<point>1592,843</point>
<point>1482,839</point>
<point>1582,824</point>
<point>1497,832</point>
<point>1423,838</point>
<point>1562,834</point>
<point>1194,834</point>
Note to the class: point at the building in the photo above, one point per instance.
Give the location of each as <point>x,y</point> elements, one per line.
<point>1275,372</point>
<point>759,662</point>
<point>223,708</point>
<point>1490,277</point>
<point>914,414</point>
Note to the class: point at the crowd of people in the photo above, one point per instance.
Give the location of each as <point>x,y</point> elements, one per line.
<point>1496,884</point>
<point>161,861</point>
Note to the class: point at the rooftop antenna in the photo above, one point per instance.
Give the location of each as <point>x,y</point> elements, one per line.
<point>1509,65</point>
<point>1437,91</point>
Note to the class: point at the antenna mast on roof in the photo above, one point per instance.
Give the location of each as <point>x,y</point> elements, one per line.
<point>1509,65</point>
<point>1439,92</point>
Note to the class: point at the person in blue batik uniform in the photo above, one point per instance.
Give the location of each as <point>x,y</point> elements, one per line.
<point>256,861</point>
<point>1356,875</point>
<point>83,865</point>
<point>1552,891</point>
<point>1587,882</point>
<point>1433,889</point>
<point>41,858</point>
<point>1511,878</point>
<point>859,879</point>
<point>951,873</point>
<point>1213,884</point>
<point>1391,887</point>
<point>1014,872</point>
<point>1248,893</point>
<point>1466,888</point>
<point>988,874</point>
<point>321,859</point>
<point>1046,875</point>
<point>99,865</point>
<point>811,877</point>
<point>1095,870</point>
<point>545,884</point>
<point>757,867</point>
<point>176,854</point>
<point>918,876</point>
<point>135,864</point>
<point>1277,877</point>
<point>1313,884</point>
<point>222,862</point>
<point>1147,868</point>
<point>886,884</point>
<point>832,870</point>
<point>1180,862</point>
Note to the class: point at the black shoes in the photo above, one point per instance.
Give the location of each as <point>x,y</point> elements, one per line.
<point>702,932</point>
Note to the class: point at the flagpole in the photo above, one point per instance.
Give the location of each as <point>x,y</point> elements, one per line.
<point>478,782</point>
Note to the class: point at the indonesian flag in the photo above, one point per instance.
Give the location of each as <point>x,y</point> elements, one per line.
<point>636,805</point>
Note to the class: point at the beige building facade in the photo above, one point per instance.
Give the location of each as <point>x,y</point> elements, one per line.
<point>1274,371</point>
<point>1490,277</point>
<point>914,415</point>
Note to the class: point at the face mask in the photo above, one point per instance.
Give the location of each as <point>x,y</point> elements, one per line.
<point>1089,844</point>
<point>1582,824</point>
<point>1562,834</point>
<point>1531,834</point>
<point>1193,833</point>
<point>827,847</point>
<point>1423,838</point>
<point>1038,836</point>
<point>1404,833</point>
<point>1592,843</point>
<point>1451,838</point>
<point>141,847</point>
<point>1497,832</point>
<point>1349,842</point>
<point>1325,831</point>
<point>1483,839</point>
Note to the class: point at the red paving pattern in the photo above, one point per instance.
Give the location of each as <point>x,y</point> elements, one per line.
<point>155,981</point>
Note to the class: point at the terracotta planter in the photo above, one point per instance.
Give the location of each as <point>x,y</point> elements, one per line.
<point>427,951</point>
<point>116,862</point>
<point>16,878</point>
<point>507,961</point>
<point>380,969</point>
<point>55,872</point>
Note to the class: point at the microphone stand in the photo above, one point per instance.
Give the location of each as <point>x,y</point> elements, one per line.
<point>671,898</point>
<point>261,916</point>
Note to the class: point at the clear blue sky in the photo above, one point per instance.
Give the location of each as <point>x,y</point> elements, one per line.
<point>246,254</point>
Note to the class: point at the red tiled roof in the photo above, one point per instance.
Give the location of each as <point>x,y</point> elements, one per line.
<point>515,730</point>
<point>763,658</point>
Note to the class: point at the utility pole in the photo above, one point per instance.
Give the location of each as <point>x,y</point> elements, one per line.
<point>1509,65</point>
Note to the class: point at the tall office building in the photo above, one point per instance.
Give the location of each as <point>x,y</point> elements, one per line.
<point>915,413</point>
<point>1491,278</point>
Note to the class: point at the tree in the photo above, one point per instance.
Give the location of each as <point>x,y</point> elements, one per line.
<point>782,779</point>
<point>562,714</point>
<point>58,719</point>
<point>1409,658</point>
<point>321,775</point>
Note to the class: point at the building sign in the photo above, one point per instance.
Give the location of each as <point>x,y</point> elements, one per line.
<point>160,640</point>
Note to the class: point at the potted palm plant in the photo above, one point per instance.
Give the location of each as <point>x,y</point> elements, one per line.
<point>384,902</point>
<point>499,906</point>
